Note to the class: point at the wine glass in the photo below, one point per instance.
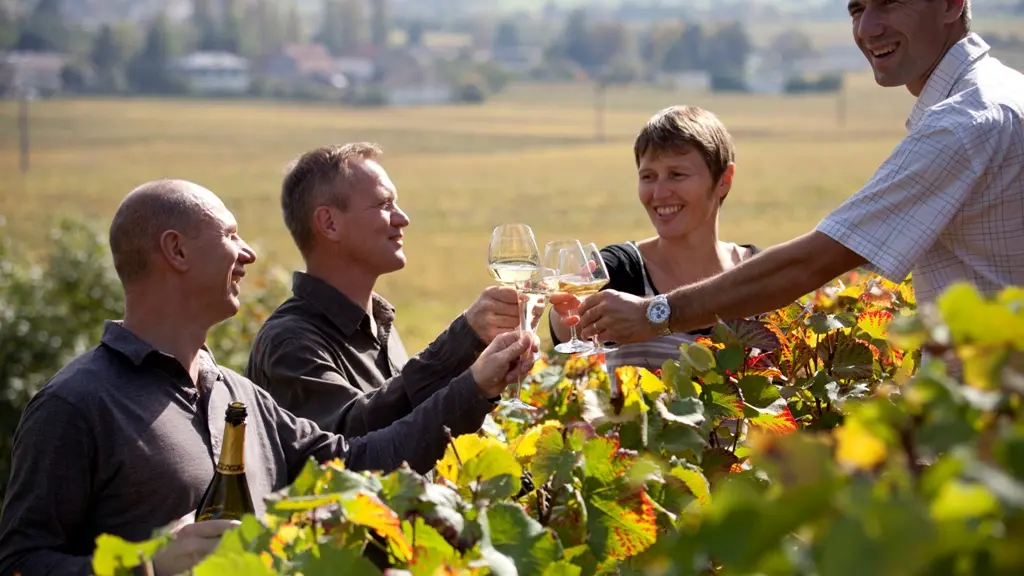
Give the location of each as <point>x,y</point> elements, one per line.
<point>513,258</point>
<point>574,273</point>
<point>601,278</point>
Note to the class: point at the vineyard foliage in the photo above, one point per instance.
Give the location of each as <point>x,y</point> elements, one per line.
<point>815,440</point>
<point>830,437</point>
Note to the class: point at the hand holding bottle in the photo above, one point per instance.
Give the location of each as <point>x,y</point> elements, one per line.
<point>191,542</point>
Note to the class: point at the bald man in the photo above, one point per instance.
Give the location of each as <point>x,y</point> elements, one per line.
<point>122,440</point>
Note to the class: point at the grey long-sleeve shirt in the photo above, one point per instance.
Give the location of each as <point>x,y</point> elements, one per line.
<point>121,441</point>
<point>321,357</point>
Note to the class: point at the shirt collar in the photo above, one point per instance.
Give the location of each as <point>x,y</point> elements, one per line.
<point>123,340</point>
<point>340,309</point>
<point>950,70</point>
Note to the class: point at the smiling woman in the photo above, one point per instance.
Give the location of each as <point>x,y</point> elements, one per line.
<point>685,162</point>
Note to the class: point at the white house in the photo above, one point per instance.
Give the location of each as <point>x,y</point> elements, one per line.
<point>214,72</point>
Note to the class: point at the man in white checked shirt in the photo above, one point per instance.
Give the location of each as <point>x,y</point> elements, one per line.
<point>948,203</point>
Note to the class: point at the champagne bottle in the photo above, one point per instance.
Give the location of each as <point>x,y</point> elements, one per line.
<point>227,496</point>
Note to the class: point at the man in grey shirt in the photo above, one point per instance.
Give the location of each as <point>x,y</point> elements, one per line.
<point>123,439</point>
<point>332,352</point>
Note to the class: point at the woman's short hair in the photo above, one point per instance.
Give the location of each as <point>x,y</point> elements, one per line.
<point>682,129</point>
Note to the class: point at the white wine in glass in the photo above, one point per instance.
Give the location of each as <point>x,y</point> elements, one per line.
<point>513,259</point>
<point>599,279</point>
<point>573,275</point>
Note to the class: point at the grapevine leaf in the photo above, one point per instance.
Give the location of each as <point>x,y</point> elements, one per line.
<point>603,461</point>
<point>694,480</point>
<point>522,539</point>
<point>562,568</point>
<point>775,417</point>
<point>730,358</point>
<point>402,490</point>
<point>688,412</point>
<point>555,460</point>
<point>722,404</point>
<point>853,359</point>
<point>822,323</point>
<point>114,555</point>
<point>748,334</point>
<point>525,446</point>
<point>432,550</point>
<point>467,446</point>
<point>493,473</point>
<point>679,377</point>
<point>647,381</point>
<point>717,462</point>
<point>621,524</point>
<point>696,357</point>
<point>242,564</point>
<point>875,323</point>
<point>331,561</point>
<point>367,510</point>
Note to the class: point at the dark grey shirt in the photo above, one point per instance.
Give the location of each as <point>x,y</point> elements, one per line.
<point>121,441</point>
<point>320,358</point>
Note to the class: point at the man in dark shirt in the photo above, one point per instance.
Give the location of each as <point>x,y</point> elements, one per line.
<point>124,438</point>
<point>331,352</point>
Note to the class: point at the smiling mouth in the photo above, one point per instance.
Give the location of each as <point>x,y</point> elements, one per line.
<point>883,51</point>
<point>667,210</point>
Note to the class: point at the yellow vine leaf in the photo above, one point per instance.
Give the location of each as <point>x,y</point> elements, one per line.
<point>525,446</point>
<point>857,448</point>
<point>367,510</point>
<point>468,446</point>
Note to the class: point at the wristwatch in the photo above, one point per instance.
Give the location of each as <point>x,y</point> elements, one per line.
<point>658,314</point>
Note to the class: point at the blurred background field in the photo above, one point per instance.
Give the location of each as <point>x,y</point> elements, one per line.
<point>534,151</point>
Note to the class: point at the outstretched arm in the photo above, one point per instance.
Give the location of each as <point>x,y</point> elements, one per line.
<point>768,281</point>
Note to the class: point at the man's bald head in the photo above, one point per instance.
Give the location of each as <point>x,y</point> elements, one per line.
<point>146,213</point>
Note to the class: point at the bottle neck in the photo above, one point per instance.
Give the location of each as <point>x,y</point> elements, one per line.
<point>232,453</point>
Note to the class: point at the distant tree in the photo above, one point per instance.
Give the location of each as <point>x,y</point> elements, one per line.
<point>148,70</point>
<point>205,25</point>
<point>414,33</point>
<point>380,23</point>
<point>293,29</point>
<point>792,46</point>
<point>576,39</point>
<point>232,33</point>
<point>727,50</point>
<point>353,24</point>
<point>689,51</point>
<point>506,35</point>
<point>110,54</point>
<point>8,25</point>
<point>45,29</point>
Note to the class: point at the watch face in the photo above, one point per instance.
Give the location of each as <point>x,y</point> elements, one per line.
<point>658,313</point>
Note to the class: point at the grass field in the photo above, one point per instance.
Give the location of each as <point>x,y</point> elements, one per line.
<point>529,155</point>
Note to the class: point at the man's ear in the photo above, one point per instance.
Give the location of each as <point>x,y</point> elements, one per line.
<point>954,10</point>
<point>325,222</point>
<point>725,182</point>
<point>172,248</point>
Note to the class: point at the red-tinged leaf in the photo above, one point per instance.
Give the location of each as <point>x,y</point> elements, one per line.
<point>747,333</point>
<point>725,404</point>
<point>776,418</point>
<point>622,524</point>
<point>783,339</point>
<point>717,462</point>
<point>786,318</point>
<point>875,323</point>
<point>603,460</point>
<point>708,343</point>
<point>367,510</point>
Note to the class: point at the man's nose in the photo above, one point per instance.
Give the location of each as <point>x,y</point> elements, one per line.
<point>399,219</point>
<point>248,255</point>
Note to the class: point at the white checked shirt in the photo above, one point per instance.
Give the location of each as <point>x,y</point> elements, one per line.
<point>948,203</point>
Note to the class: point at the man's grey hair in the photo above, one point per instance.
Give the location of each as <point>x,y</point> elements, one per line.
<point>144,215</point>
<point>966,16</point>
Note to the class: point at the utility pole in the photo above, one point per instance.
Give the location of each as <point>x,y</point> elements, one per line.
<point>841,101</point>
<point>23,129</point>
